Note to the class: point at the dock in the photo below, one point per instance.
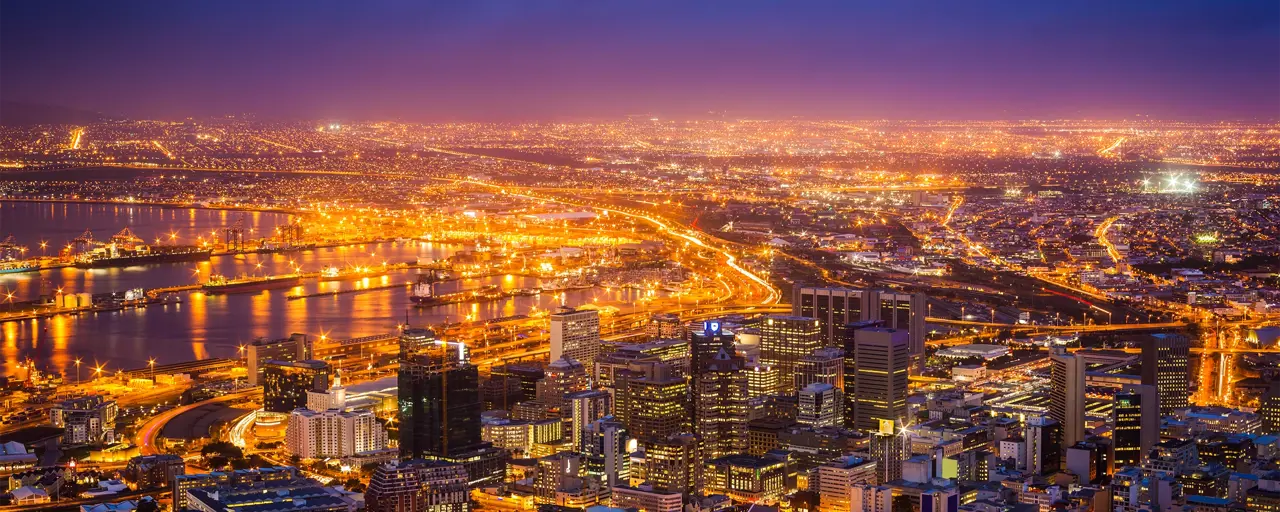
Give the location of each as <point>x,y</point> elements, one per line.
<point>351,290</point>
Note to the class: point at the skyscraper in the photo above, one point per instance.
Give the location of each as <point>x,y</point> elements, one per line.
<point>440,405</point>
<point>706,342</point>
<point>607,454</point>
<point>836,307</point>
<point>261,350</point>
<point>880,378</point>
<point>1136,419</point>
<point>585,408</point>
<point>833,307</point>
<point>839,480</point>
<point>820,406</point>
<point>575,333</point>
<point>674,463</point>
<point>1269,409</point>
<point>1044,446</point>
<point>652,402</point>
<point>563,376</point>
<point>786,339</point>
<point>1066,395</point>
<point>1166,365</point>
<point>847,335</point>
<point>439,402</point>
<point>723,406</point>
<point>824,365</point>
<point>285,383</point>
<point>889,448</point>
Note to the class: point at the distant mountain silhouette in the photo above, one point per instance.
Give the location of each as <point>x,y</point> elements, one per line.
<point>14,113</point>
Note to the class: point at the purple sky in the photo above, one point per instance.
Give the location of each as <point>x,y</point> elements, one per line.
<point>543,59</point>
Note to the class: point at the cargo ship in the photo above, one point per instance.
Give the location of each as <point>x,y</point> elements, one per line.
<point>221,284</point>
<point>126,249</point>
<point>17,267</point>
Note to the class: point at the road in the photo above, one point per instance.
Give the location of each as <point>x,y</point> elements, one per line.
<point>145,438</point>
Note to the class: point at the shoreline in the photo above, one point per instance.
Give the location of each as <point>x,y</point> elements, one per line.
<point>191,206</point>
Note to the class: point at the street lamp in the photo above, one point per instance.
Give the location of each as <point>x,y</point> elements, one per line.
<point>152,363</point>
<point>77,370</point>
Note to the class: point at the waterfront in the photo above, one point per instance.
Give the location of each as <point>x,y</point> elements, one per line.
<point>204,326</point>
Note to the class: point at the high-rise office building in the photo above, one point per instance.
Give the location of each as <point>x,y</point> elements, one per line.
<point>285,383</point>
<point>1135,417</point>
<point>847,335</point>
<point>825,365</point>
<point>440,406</point>
<point>417,485</point>
<point>723,406</point>
<point>1044,445</point>
<point>1166,365</point>
<point>746,478</point>
<point>836,307</point>
<point>1066,395</point>
<point>674,463</point>
<point>563,376</point>
<point>880,378</point>
<point>575,333</point>
<point>833,307</point>
<point>707,341</point>
<point>585,408</point>
<point>1269,409</point>
<point>786,339</point>
<point>820,406</point>
<point>414,340</point>
<point>652,402</point>
<point>889,447</point>
<point>605,444</point>
<point>439,395</point>
<point>526,375</point>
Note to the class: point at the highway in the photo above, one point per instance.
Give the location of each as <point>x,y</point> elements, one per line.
<point>145,438</point>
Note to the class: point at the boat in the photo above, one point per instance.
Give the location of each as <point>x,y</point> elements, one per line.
<point>18,267</point>
<point>125,249</point>
<point>334,273</point>
<point>221,284</point>
<point>423,293</point>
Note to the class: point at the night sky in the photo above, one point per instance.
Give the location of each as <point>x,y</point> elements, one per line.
<point>567,60</point>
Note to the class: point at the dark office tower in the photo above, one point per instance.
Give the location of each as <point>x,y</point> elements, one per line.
<point>526,374</point>
<point>1166,365</point>
<point>1044,445</point>
<point>1136,419</point>
<point>439,402</point>
<point>723,409</point>
<point>1269,409</point>
<point>440,406</point>
<point>786,339</point>
<point>706,342</point>
<point>850,365</point>
<point>1066,394</point>
<point>664,326</point>
<point>880,377</point>
<point>833,307</point>
<point>905,312</point>
<point>285,383</point>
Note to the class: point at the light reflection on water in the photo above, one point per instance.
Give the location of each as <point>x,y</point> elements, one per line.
<point>204,326</point>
